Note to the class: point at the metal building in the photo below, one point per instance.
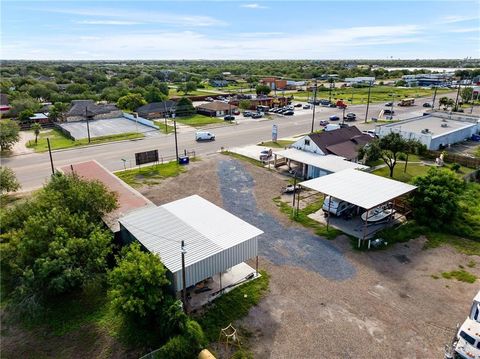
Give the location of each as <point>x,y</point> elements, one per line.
<point>215,239</point>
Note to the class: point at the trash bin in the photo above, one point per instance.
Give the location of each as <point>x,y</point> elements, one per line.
<point>183,160</point>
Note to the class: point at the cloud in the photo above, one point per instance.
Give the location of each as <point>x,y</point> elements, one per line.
<point>471,29</point>
<point>457,18</point>
<point>107,22</point>
<point>254,6</point>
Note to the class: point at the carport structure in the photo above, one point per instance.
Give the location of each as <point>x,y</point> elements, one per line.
<point>365,190</point>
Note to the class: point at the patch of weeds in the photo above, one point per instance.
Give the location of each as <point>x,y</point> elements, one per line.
<point>471,263</point>
<point>435,276</point>
<point>460,275</point>
<point>244,158</point>
<point>460,266</point>
<point>150,174</point>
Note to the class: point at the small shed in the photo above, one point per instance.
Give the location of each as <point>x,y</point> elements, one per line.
<point>215,240</point>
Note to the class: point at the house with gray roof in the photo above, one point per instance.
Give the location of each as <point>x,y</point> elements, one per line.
<point>157,109</point>
<point>81,109</point>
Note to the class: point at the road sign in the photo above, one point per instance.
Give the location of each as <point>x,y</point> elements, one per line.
<point>146,157</point>
<point>274,133</point>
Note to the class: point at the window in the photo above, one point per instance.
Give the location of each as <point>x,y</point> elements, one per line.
<point>307,142</point>
<point>467,338</point>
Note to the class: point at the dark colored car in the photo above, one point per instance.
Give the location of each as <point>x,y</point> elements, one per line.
<point>388,112</point>
<point>343,125</point>
<point>334,118</point>
<point>229,118</point>
<point>350,116</point>
<point>288,113</point>
<point>298,105</point>
<point>332,105</point>
<point>247,114</point>
<point>306,107</point>
<point>427,104</point>
<point>257,115</point>
<point>389,104</point>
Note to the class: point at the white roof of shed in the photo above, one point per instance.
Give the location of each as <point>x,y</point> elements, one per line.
<point>205,228</point>
<point>360,188</point>
<point>330,163</point>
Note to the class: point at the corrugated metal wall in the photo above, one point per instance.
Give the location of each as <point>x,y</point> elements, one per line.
<point>217,263</point>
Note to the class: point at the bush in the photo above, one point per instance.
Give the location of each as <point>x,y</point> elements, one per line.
<point>455,167</point>
<point>186,345</point>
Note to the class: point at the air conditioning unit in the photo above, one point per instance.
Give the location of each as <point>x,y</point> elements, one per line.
<point>426,130</point>
<point>444,125</point>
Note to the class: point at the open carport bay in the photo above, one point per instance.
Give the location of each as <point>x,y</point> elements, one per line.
<point>104,127</point>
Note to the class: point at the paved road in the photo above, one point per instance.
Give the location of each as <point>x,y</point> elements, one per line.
<point>33,169</point>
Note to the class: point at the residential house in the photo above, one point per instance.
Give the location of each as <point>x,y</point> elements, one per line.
<point>4,106</point>
<point>81,109</point>
<point>157,109</point>
<point>344,142</point>
<point>274,83</point>
<point>215,108</point>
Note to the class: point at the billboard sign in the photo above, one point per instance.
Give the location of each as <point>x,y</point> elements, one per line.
<point>146,157</point>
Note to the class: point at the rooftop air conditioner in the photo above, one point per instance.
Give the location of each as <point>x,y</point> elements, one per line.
<point>444,125</point>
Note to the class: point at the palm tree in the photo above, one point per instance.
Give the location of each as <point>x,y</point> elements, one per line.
<point>36,127</point>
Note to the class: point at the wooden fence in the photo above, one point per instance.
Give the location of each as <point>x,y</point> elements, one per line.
<point>470,162</point>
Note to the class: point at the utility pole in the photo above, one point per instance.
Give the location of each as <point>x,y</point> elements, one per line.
<point>184,284</point>
<point>368,100</point>
<point>165,115</point>
<point>176,143</point>
<point>456,99</point>
<point>314,102</point>
<point>50,154</point>
<point>88,125</point>
<point>332,84</point>
<point>434,96</point>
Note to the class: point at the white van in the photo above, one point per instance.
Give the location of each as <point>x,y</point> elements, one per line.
<point>336,207</point>
<point>331,127</point>
<point>204,136</point>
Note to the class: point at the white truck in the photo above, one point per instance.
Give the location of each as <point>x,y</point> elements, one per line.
<point>204,136</point>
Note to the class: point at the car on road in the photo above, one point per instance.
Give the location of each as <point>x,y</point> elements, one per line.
<point>288,113</point>
<point>388,112</point>
<point>334,118</point>
<point>427,104</point>
<point>209,99</point>
<point>350,116</point>
<point>247,114</point>
<point>257,115</point>
<point>229,118</point>
<point>324,122</point>
<point>371,133</point>
<point>306,107</point>
<point>389,104</point>
<point>298,105</point>
<point>204,136</point>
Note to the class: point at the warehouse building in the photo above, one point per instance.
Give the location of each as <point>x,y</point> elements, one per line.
<point>436,130</point>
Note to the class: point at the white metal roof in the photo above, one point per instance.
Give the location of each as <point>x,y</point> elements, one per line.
<point>360,188</point>
<point>205,228</point>
<point>330,163</point>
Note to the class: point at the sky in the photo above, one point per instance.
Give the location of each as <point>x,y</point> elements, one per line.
<point>156,30</point>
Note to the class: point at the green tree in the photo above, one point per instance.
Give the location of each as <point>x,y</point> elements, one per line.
<point>446,102</point>
<point>387,148</point>
<point>131,101</point>
<point>187,87</point>
<point>401,83</point>
<point>8,180</point>
<point>36,127</point>
<point>76,89</point>
<point>25,115</point>
<point>262,89</point>
<point>245,104</point>
<point>184,107</point>
<point>153,94</point>
<point>163,87</point>
<point>9,134</point>
<point>23,103</point>
<point>57,111</point>
<point>138,284</point>
<point>435,201</point>
<point>466,93</point>
<point>39,91</point>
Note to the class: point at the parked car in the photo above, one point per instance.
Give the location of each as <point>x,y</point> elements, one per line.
<point>336,206</point>
<point>236,112</point>
<point>332,105</point>
<point>389,104</point>
<point>371,133</point>
<point>334,118</point>
<point>306,107</point>
<point>298,105</point>
<point>332,126</point>
<point>288,113</point>
<point>350,116</point>
<point>427,104</point>
<point>257,115</point>
<point>247,114</point>
<point>229,118</point>
<point>265,155</point>
<point>323,122</point>
<point>209,99</point>
<point>388,112</point>
<point>325,102</point>
<point>204,136</point>
<point>343,125</point>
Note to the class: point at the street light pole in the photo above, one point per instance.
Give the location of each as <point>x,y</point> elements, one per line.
<point>88,126</point>
<point>314,102</point>
<point>175,130</point>
<point>434,96</point>
<point>368,100</point>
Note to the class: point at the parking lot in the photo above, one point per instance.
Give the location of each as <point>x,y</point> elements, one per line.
<point>104,127</point>
<point>327,300</point>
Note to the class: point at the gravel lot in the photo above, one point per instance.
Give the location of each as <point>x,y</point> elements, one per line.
<point>327,300</point>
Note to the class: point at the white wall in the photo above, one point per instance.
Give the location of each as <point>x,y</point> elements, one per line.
<point>312,147</point>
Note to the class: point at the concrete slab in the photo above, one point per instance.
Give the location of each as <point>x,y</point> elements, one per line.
<point>104,127</point>
<point>231,279</point>
<point>251,151</point>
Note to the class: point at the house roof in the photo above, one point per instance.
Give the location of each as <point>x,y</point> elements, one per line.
<point>343,142</point>
<point>78,108</point>
<point>360,188</point>
<point>330,163</point>
<point>205,228</point>
<point>216,106</point>
<point>157,106</point>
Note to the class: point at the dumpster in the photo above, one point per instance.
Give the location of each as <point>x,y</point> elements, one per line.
<point>183,160</point>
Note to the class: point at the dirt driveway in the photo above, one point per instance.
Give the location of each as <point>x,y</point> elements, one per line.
<point>327,300</point>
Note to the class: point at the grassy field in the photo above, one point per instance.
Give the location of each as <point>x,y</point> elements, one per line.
<point>356,96</point>
<point>460,275</point>
<point>164,128</point>
<point>276,144</point>
<point>199,120</point>
<point>413,170</point>
<point>201,92</point>
<point>150,175</point>
<point>58,140</point>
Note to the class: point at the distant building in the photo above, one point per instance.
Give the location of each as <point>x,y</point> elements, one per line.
<point>215,109</point>
<point>436,130</point>
<point>81,109</point>
<point>366,80</point>
<point>219,83</point>
<point>274,83</point>
<point>264,101</point>
<point>442,80</point>
<point>157,109</point>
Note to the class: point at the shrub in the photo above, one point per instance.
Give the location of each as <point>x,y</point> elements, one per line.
<point>455,167</point>
<point>186,345</point>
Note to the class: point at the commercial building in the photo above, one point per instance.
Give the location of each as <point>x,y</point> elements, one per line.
<point>81,109</point>
<point>360,80</point>
<point>274,83</point>
<point>157,109</point>
<point>215,108</point>
<point>442,80</point>
<point>436,130</point>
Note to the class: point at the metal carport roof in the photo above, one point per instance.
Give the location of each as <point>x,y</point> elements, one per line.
<point>360,188</point>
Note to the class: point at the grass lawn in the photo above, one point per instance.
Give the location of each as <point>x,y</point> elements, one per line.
<point>58,140</point>
<point>460,275</point>
<point>164,128</point>
<point>201,92</point>
<point>276,144</point>
<point>302,217</point>
<point>356,96</point>
<point>150,175</point>
<point>200,120</point>
<point>413,170</point>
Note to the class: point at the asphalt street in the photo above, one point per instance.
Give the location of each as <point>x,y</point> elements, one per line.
<point>33,169</point>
